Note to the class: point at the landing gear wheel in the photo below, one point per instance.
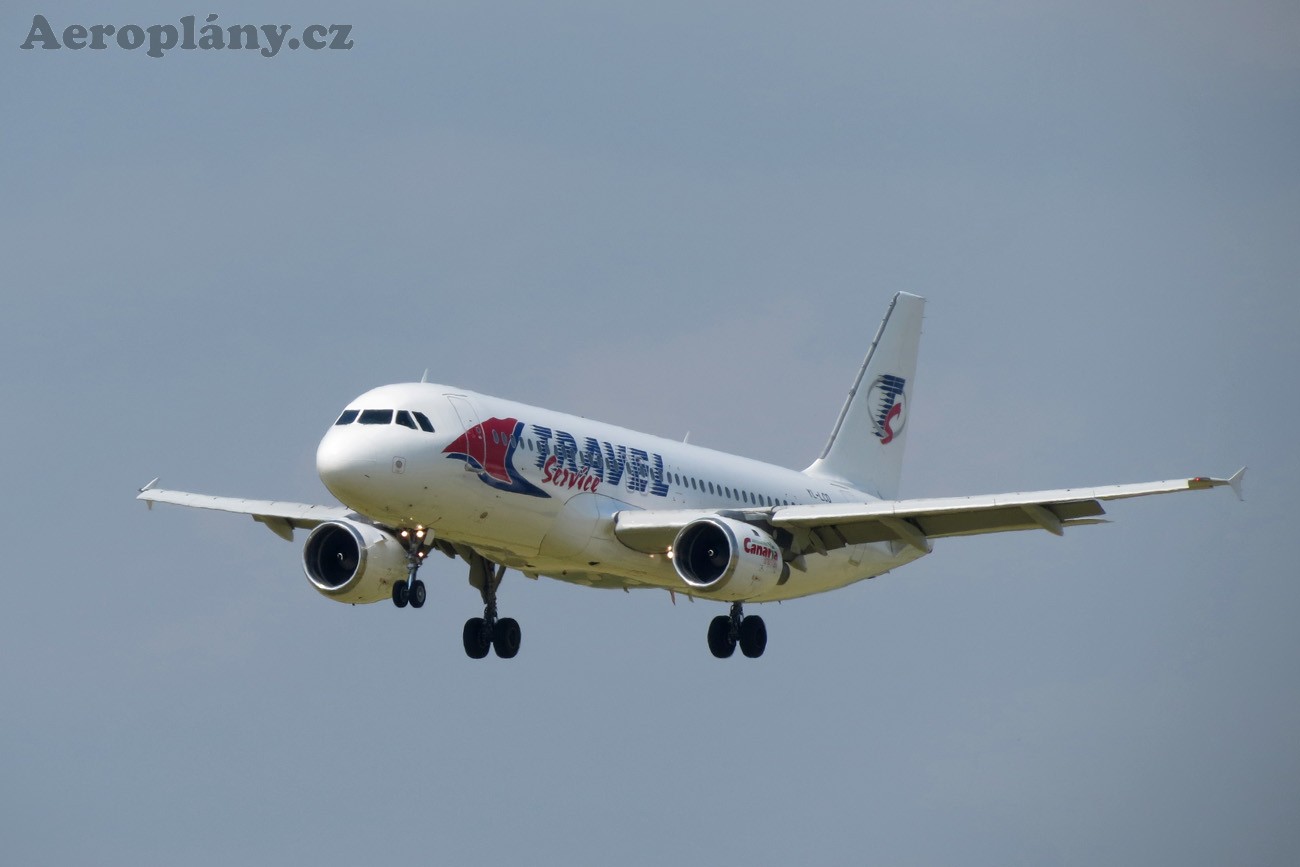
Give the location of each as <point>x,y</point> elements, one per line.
<point>753,636</point>
<point>506,637</point>
<point>721,642</point>
<point>477,641</point>
<point>417,543</point>
<point>489,632</point>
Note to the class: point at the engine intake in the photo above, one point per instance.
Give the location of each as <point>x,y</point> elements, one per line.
<point>353,562</point>
<point>728,558</point>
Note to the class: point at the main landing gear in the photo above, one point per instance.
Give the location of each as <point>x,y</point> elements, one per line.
<point>411,591</point>
<point>486,633</point>
<point>728,630</point>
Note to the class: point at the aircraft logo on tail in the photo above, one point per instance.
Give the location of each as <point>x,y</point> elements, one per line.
<point>489,448</point>
<point>888,403</point>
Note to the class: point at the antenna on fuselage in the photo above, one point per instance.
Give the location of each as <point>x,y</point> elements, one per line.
<point>425,377</point>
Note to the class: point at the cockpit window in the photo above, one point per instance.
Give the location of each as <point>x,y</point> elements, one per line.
<point>406,418</point>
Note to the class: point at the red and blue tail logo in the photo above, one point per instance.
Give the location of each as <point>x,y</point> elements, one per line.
<point>489,449</point>
<point>888,404</point>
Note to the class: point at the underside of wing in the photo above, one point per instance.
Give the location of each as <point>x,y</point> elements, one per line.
<point>279,517</point>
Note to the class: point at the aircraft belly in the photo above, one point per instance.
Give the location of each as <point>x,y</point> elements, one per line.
<point>841,568</point>
<point>484,518</point>
<point>606,562</point>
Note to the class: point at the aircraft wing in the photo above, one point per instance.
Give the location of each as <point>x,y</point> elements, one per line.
<point>280,518</point>
<point>823,527</point>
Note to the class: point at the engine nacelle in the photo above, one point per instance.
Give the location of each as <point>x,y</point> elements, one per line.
<point>353,562</point>
<point>728,559</point>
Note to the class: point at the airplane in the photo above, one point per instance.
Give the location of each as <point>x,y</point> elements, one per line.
<point>421,467</point>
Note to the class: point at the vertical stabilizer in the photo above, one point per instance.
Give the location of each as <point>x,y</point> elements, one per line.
<point>866,446</point>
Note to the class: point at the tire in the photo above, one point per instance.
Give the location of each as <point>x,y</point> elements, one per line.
<point>506,637</point>
<point>417,594</point>
<point>475,639</point>
<point>720,643</point>
<point>753,636</point>
<point>400,594</point>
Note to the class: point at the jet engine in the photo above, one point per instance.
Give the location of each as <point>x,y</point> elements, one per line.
<point>728,559</point>
<point>353,562</point>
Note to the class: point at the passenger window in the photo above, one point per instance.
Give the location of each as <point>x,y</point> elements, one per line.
<point>349,416</point>
<point>377,416</point>
<point>710,487</point>
<point>404,418</point>
<point>425,424</point>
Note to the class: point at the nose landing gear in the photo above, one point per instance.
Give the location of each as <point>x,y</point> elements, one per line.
<point>411,592</point>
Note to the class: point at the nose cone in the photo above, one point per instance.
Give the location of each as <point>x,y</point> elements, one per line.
<point>346,467</point>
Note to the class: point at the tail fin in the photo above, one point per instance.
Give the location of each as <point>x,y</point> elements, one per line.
<point>866,446</point>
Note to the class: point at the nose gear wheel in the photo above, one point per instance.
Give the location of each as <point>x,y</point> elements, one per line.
<point>418,543</point>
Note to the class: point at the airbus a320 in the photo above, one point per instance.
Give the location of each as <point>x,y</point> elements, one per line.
<point>423,468</point>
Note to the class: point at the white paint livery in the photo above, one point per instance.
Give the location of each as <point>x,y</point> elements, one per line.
<point>423,467</point>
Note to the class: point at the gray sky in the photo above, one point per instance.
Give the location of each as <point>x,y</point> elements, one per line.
<point>638,212</point>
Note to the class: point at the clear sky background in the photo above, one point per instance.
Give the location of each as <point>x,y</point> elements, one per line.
<point>676,217</point>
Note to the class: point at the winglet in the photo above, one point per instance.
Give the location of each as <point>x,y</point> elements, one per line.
<point>1235,483</point>
<point>148,504</point>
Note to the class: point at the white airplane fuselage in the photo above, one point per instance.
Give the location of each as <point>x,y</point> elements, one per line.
<point>537,490</point>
